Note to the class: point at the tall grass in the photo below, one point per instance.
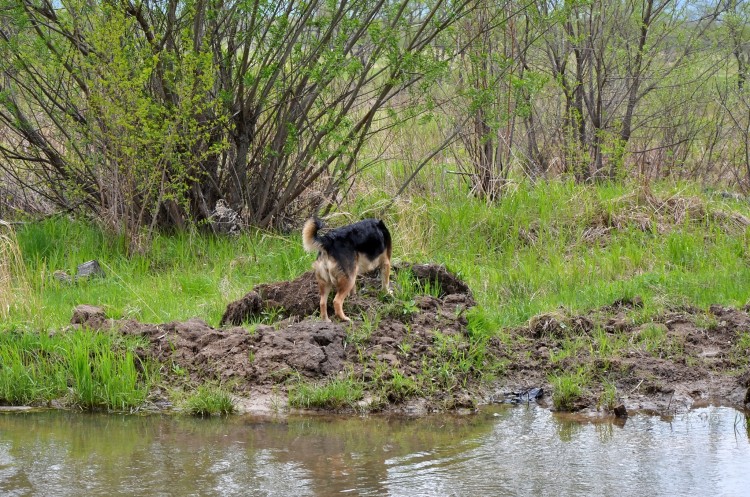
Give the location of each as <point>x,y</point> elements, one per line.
<point>84,369</point>
<point>178,277</point>
<point>16,296</point>
<point>530,252</point>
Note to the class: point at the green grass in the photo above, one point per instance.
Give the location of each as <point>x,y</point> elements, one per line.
<point>567,388</point>
<point>524,255</point>
<point>208,400</point>
<point>333,394</point>
<point>86,369</point>
<point>178,277</point>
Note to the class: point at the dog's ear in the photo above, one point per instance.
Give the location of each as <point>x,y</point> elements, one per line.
<point>319,224</point>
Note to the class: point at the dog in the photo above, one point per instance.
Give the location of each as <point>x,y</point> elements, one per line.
<point>342,254</point>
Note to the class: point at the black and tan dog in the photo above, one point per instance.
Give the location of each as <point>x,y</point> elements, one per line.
<point>342,254</point>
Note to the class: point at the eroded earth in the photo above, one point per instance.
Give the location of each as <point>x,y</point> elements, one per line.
<point>422,352</point>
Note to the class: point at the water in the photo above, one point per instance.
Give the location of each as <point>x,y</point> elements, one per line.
<point>503,451</point>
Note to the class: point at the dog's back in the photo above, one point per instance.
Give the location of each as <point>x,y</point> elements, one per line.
<point>369,237</point>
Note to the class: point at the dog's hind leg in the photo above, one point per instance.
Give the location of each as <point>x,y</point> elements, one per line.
<point>345,285</point>
<point>324,290</point>
<point>385,274</point>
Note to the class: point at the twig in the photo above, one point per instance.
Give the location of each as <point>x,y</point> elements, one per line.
<point>636,387</point>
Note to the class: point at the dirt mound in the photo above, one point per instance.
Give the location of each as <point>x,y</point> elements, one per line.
<point>233,356</point>
<point>388,338</point>
<point>299,298</point>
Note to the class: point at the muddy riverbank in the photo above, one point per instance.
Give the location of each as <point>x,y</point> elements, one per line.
<point>425,349</point>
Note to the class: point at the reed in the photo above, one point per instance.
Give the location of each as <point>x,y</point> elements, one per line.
<point>16,296</point>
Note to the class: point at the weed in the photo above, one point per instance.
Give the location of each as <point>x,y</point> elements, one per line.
<point>400,387</point>
<point>653,337</point>
<point>740,354</point>
<point>569,348</point>
<point>333,394</point>
<point>568,388</point>
<point>358,335</point>
<point>608,397</point>
<point>209,400</point>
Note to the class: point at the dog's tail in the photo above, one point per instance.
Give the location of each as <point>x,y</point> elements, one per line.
<point>310,240</point>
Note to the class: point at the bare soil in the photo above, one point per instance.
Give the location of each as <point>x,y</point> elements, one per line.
<point>698,362</point>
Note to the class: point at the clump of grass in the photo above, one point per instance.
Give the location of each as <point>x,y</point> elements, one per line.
<point>209,400</point>
<point>568,388</point>
<point>407,286</point>
<point>608,397</point>
<point>334,394</point>
<point>399,387</point>
<point>740,353</point>
<point>103,378</point>
<point>360,334</point>
<point>569,348</point>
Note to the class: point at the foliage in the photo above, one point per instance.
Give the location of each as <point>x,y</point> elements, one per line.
<point>146,118</point>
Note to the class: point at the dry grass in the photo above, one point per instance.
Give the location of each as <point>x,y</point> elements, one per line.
<point>15,288</point>
<point>648,212</point>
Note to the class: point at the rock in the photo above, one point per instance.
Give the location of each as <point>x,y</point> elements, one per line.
<point>225,220</point>
<point>90,269</point>
<point>89,316</point>
<point>620,411</point>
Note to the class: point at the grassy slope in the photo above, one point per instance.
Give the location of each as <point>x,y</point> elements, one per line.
<point>531,253</point>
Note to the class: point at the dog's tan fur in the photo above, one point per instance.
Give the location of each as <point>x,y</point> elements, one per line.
<point>331,273</point>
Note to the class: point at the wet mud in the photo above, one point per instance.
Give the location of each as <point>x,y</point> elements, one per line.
<point>272,338</point>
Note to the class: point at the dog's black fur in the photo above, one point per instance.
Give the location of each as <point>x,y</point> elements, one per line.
<point>343,253</point>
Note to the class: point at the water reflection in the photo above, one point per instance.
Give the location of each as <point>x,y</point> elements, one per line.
<point>504,451</point>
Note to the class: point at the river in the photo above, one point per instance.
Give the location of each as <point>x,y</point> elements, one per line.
<point>520,450</point>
